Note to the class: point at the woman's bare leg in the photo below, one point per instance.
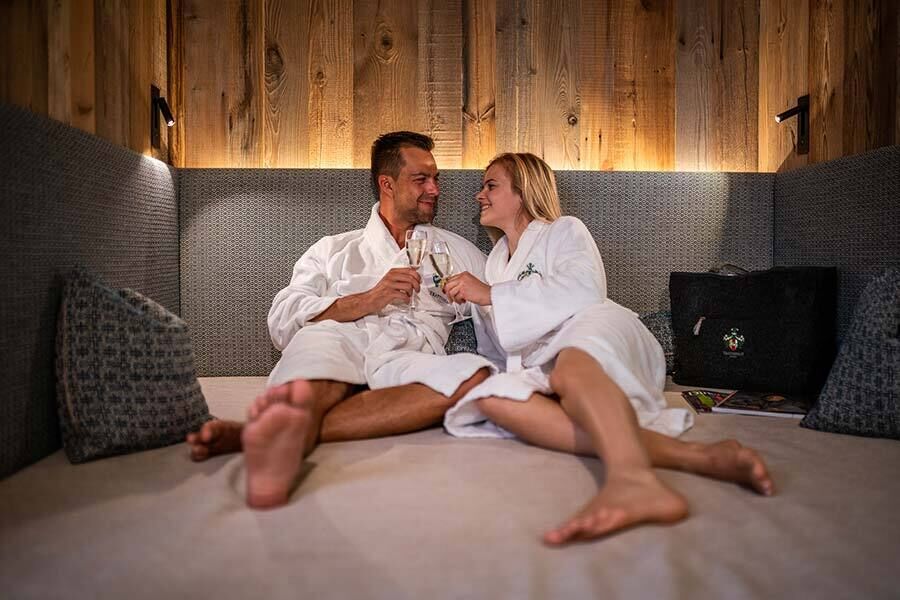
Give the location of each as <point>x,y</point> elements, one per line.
<point>541,421</point>
<point>632,493</point>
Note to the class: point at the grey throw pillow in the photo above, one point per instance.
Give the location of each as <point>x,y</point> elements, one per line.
<point>462,338</point>
<point>862,393</point>
<point>660,325</point>
<point>124,370</point>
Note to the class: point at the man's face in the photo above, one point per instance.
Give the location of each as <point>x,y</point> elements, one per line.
<point>416,188</point>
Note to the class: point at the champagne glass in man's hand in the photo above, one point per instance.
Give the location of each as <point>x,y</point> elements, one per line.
<point>443,266</point>
<point>416,247</point>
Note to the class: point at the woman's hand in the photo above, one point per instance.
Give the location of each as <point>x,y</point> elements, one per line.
<point>465,287</point>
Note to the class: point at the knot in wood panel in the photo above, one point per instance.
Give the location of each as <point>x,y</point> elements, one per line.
<point>274,61</point>
<point>384,42</point>
<point>572,119</point>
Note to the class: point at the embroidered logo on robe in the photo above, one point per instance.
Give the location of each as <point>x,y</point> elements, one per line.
<point>734,343</point>
<point>529,270</point>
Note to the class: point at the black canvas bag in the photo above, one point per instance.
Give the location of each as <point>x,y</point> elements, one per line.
<point>768,330</point>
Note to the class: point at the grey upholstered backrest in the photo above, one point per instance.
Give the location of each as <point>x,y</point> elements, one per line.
<point>243,230</point>
<point>68,197</point>
<point>843,213</point>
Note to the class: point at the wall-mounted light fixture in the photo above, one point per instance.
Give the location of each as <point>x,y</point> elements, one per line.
<point>158,105</point>
<point>802,112</point>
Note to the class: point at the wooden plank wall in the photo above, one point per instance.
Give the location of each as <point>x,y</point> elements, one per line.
<point>614,84</point>
<point>88,63</point>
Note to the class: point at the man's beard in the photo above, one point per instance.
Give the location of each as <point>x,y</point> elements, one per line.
<point>418,216</point>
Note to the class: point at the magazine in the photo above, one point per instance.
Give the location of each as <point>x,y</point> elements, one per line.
<point>702,401</point>
<point>770,404</point>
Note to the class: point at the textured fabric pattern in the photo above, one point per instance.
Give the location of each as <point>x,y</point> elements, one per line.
<point>842,213</point>
<point>68,197</point>
<point>862,393</point>
<point>243,230</point>
<point>125,372</point>
<point>462,338</point>
<point>660,325</point>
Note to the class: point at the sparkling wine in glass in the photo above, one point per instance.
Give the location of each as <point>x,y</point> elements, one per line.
<point>416,247</point>
<point>443,266</point>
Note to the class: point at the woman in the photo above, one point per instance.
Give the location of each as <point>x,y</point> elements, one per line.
<point>577,372</point>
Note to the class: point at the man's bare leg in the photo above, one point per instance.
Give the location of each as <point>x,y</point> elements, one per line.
<point>392,411</point>
<point>282,427</point>
<point>541,421</point>
<point>368,414</point>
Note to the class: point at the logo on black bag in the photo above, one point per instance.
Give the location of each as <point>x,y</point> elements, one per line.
<point>734,343</point>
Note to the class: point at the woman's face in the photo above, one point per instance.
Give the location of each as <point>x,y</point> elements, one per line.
<point>501,206</point>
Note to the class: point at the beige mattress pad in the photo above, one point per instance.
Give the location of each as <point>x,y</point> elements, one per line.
<point>429,516</point>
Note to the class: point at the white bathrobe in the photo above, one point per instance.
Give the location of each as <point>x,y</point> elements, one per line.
<point>551,295</point>
<point>381,350</point>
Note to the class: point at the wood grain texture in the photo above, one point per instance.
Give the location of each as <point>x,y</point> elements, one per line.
<point>596,85</point>
<point>479,125</point>
<point>783,77</point>
<point>385,72</point>
<point>112,71</point>
<point>141,56</point>
<point>826,77</point>
<point>513,64</point>
<point>59,76</point>
<point>175,44</point>
<point>644,137</point>
<point>330,76</point>
<point>870,80</point>
<point>286,83</point>
<point>538,107</point>
<point>654,84</point>
<point>440,75</point>
<point>23,54</point>
<point>159,66</point>
<point>717,83</point>
<point>224,77</point>
<point>555,97</point>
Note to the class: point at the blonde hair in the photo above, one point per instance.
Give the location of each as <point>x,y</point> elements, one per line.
<point>533,180</point>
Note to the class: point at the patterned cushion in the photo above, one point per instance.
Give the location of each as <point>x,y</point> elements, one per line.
<point>462,338</point>
<point>660,325</point>
<point>124,370</point>
<point>862,393</point>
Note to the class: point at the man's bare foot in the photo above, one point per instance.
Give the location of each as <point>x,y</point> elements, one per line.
<point>625,500</point>
<point>274,441</point>
<point>730,461</point>
<point>215,437</point>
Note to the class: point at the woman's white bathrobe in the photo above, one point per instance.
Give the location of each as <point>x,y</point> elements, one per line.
<point>381,350</point>
<point>551,295</point>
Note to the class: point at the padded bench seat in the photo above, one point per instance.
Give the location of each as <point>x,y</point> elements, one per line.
<point>429,516</point>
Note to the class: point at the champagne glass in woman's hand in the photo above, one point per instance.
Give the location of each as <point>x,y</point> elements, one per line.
<point>443,266</point>
<point>416,247</point>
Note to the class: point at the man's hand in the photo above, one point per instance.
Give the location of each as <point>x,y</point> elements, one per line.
<point>465,287</point>
<point>397,284</point>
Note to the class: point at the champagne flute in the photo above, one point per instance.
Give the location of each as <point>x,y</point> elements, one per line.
<point>443,266</point>
<point>416,246</point>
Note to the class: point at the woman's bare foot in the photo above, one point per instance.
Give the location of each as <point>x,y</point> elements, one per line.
<point>215,437</point>
<point>625,500</point>
<point>730,461</point>
<point>274,441</point>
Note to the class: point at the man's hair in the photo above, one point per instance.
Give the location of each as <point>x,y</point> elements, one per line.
<point>386,157</point>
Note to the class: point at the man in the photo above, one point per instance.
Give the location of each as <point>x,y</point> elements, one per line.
<point>342,322</point>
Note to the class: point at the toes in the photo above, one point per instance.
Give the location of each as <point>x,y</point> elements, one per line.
<point>199,452</point>
<point>208,432</point>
